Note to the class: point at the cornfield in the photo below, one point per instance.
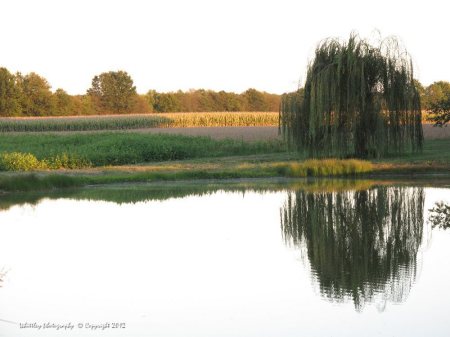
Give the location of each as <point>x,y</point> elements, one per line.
<point>164,120</point>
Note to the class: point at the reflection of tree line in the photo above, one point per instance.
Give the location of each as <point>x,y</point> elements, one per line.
<point>360,244</point>
<point>132,193</point>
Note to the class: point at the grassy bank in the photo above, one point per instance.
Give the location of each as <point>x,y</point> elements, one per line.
<point>243,167</point>
<point>228,168</point>
<point>161,120</point>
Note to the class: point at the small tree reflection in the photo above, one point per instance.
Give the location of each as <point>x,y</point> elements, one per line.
<point>439,216</point>
<point>2,275</point>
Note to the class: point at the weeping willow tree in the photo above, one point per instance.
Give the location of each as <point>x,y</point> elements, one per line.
<point>359,100</point>
<point>361,245</point>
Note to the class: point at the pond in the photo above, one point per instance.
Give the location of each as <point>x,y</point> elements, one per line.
<point>304,258</point>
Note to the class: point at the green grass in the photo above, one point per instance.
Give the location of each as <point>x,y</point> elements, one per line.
<point>434,150</point>
<point>119,148</point>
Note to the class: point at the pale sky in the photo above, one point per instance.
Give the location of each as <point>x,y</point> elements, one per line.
<point>227,45</point>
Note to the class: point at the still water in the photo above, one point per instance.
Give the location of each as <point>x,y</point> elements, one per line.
<point>319,259</point>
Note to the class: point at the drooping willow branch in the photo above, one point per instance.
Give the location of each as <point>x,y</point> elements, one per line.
<point>359,100</point>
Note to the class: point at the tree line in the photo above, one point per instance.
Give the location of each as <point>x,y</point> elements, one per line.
<point>114,92</point>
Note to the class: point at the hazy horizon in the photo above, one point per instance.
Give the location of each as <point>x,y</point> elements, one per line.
<point>213,45</point>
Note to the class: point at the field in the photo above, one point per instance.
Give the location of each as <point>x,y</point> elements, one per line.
<point>75,150</point>
<point>263,133</point>
<point>162,120</point>
<point>246,126</point>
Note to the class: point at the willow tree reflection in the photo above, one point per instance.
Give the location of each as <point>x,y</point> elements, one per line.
<point>360,244</point>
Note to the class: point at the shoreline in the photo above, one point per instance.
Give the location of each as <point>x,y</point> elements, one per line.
<point>206,172</point>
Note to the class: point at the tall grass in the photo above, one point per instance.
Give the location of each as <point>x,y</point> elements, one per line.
<point>120,148</point>
<point>164,120</point>
<point>327,167</point>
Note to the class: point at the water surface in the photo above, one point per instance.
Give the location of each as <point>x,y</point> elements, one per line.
<point>318,259</point>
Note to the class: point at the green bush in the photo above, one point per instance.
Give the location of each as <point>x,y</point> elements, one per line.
<point>16,161</point>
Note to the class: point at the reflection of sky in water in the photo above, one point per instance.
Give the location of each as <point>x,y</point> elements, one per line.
<point>198,266</point>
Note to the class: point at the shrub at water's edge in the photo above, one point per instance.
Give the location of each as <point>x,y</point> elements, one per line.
<point>17,161</point>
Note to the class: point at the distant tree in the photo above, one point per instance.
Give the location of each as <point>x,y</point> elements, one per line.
<point>188,100</point>
<point>255,100</point>
<point>150,97</point>
<point>9,94</point>
<point>35,95</point>
<point>64,104</point>
<point>113,92</point>
<point>87,105</point>
<point>273,102</point>
<point>437,96</point>
<point>435,93</point>
<point>440,111</point>
<point>206,100</point>
<point>142,105</point>
<point>229,101</point>
<point>165,102</point>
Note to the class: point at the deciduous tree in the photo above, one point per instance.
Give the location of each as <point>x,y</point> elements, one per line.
<point>114,92</point>
<point>9,94</point>
<point>35,95</point>
<point>360,100</point>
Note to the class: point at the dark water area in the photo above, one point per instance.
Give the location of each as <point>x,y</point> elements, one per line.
<point>299,258</point>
